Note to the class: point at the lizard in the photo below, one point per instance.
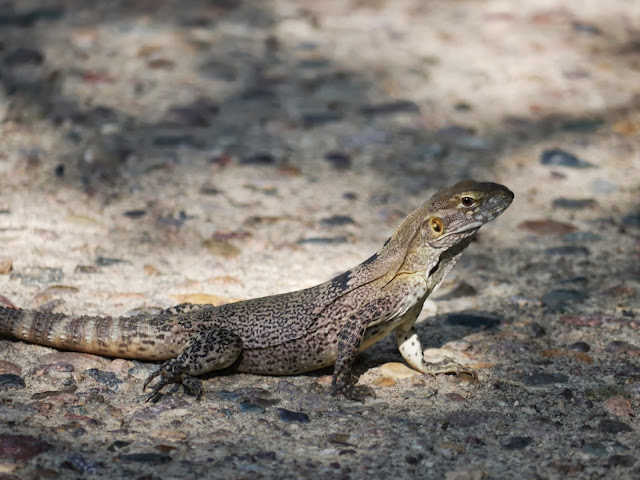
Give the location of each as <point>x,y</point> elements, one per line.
<point>295,332</point>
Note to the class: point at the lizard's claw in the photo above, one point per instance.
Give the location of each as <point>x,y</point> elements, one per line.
<point>172,372</point>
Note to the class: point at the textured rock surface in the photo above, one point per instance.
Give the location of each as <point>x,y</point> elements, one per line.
<point>165,151</point>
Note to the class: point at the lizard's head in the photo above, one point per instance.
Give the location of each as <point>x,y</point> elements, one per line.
<point>457,212</point>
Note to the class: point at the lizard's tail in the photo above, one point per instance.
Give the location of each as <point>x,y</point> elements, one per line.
<point>125,337</point>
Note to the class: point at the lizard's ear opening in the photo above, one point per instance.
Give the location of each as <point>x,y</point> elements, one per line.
<point>435,225</point>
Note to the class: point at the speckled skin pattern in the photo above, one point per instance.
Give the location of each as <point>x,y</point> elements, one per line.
<point>299,331</point>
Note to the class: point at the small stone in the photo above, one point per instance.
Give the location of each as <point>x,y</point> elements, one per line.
<point>221,248</point>
<point>579,347</point>
<point>620,346</point>
<point>559,298</point>
<point>77,462</point>
<point>546,227</point>
<point>80,361</point>
<point>289,416</point>
<point>568,251</point>
<point>517,443</point>
<point>106,378</point>
<point>107,262</point>
<point>397,371</point>
<point>390,108</point>
<point>621,461</point>
<point>86,269</point>
<point>557,353</point>
<point>463,289</point>
<point>323,240</point>
<point>258,159</point>
<point>22,448</point>
<point>456,397</point>
<point>317,119</point>
<point>542,379</point>
<point>618,406</point>
<point>574,203</point>
<point>338,160</point>
<point>38,275</point>
<point>219,70</point>
<point>154,458</point>
<point>455,132</point>
<point>581,237</point>
<point>603,187</point>
<point>177,141</point>
<point>199,113</point>
<point>384,382</point>
<point>631,220</point>
<point>337,221</point>
<point>471,321</point>
<point>614,427</point>
<point>9,367</point>
<point>537,330</point>
<point>561,158</point>
<point>135,214</point>
<point>249,407</point>
<point>11,380</point>
<point>6,265</point>
<point>23,56</point>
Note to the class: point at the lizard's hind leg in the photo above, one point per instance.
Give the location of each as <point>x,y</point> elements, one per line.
<point>206,351</point>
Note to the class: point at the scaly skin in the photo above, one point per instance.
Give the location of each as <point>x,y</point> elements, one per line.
<point>295,332</point>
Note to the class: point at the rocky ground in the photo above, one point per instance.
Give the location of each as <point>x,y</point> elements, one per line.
<point>157,152</point>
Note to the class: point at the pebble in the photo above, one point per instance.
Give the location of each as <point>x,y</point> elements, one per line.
<point>614,427</point>
<point>28,18</point>
<point>618,406</point>
<point>471,321</point>
<point>561,158</point>
<point>199,113</point>
<point>11,380</point>
<point>338,160</point>
<point>154,458</point>
<point>580,237</point>
<point>621,461</point>
<point>317,119</point>
<point>135,214</point>
<point>38,275</point>
<point>106,378</point>
<point>258,159</point>
<point>602,187</point>
<point>574,203</point>
<point>517,443</point>
<point>77,462</point>
<point>390,108</point>
<point>219,70</point>
<point>337,221</point>
<point>249,407</point>
<point>620,346</point>
<point>80,361</point>
<point>546,227</point>
<point>289,416</point>
<point>561,297</point>
<point>177,141</point>
<point>568,251</point>
<point>537,330</point>
<point>462,290</point>
<point>23,56</point>
<point>580,347</point>
<point>395,370</point>
<point>631,220</point>
<point>9,367</point>
<point>221,248</point>
<point>323,240</point>
<point>6,265</point>
<point>541,379</point>
<point>22,448</point>
<point>107,262</point>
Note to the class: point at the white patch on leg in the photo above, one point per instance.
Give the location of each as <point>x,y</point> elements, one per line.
<point>410,348</point>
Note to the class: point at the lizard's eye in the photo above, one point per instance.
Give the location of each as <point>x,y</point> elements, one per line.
<point>436,225</point>
<point>467,201</point>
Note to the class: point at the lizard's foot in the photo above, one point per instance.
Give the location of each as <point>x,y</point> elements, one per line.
<point>450,367</point>
<point>347,387</point>
<point>172,371</point>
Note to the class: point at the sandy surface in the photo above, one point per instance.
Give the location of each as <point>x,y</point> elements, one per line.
<point>157,152</point>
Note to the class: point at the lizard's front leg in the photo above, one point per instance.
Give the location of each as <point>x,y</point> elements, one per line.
<point>206,351</point>
<point>412,351</point>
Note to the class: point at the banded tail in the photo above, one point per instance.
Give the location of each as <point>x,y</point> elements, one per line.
<point>124,337</point>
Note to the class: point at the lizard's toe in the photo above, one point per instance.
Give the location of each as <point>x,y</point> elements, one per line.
<point>352,391</point>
